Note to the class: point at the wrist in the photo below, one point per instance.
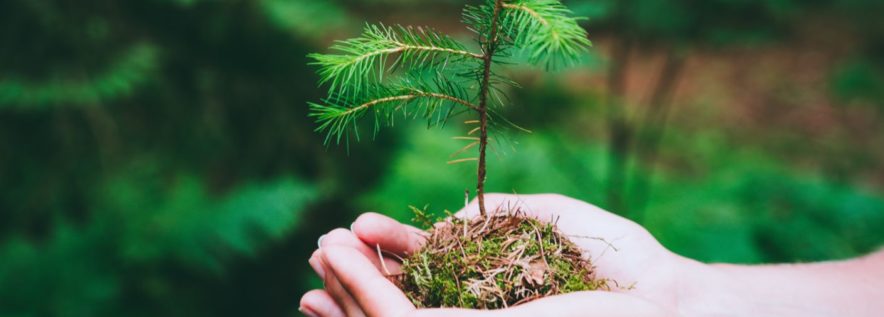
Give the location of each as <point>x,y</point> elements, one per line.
<point>844,288</point>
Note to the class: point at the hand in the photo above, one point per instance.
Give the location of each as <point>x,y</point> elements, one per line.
<point>621,250</point>
<point>665,284</point>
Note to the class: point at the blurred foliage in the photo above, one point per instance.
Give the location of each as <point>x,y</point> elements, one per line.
<point>687,22</point>
<point>859,81</point>
<point>142,222</point>
<point>119,80</point>
<point>156,157</point>
<point>190,226</point>
<point>754,205</point>
<point>307,18</point>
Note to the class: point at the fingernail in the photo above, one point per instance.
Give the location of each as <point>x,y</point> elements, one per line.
<point>351,227</point>
<point>317,266</point>
<point>319,242</point>
<point>307,312</point>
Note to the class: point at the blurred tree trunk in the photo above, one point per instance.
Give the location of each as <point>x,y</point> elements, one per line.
<point>619,132</point>
<point>652,127</point>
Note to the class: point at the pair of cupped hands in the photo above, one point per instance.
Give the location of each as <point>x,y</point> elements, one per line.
<point>356,285</point>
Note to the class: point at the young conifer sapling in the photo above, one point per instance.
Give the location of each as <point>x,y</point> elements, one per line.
<point>500,258</point>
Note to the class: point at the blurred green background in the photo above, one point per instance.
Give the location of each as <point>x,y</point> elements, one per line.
<point>156,157</point>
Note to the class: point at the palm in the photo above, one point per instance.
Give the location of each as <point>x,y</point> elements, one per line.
<point>621,250</point>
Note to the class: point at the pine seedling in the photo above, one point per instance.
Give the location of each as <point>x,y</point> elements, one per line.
<point>419,73</point>
<point>415,72</point>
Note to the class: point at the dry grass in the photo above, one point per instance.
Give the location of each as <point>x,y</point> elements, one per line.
<point>495,262</point>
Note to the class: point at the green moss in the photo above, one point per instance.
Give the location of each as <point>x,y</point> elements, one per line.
<point>496,262</point>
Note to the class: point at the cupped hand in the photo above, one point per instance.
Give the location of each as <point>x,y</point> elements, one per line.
<point>648,275</point>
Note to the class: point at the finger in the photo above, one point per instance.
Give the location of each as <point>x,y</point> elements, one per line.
<point>581,304</point>
<point>319,303</point>
<point>377,296</point>
<point>392,236</point>
<point>315,262</point>
<point>337,291</point>
<point>345,238</point>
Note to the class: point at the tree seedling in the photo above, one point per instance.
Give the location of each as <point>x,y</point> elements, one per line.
<point>500,258</point>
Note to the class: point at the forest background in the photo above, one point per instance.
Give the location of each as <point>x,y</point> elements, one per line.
<point>156,157</point>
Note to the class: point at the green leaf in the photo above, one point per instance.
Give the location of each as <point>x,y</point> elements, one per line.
<point>363,61</point>
<point>546,30</point>
<point>434,100</point>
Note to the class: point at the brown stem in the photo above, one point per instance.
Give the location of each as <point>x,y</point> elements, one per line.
<point>490,47</point>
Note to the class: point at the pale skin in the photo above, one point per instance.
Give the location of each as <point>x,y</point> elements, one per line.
<point>665,284</point>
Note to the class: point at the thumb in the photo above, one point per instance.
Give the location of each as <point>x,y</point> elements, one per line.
<point>374,293</point>
<point>376,229</point>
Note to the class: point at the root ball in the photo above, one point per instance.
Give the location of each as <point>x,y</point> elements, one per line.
<point>494,262</point>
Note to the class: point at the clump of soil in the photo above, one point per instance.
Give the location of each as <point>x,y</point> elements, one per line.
<point>494,262</point>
